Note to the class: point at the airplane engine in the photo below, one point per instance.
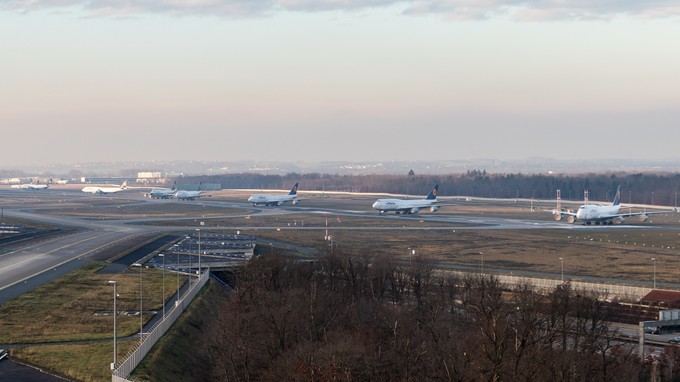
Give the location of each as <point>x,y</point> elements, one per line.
<point>296,201</point>
<point>278,203</point>
<point>414,210</point>
<point>643,218</point>
<point>571,220</point>
<point>434,208</point>
<point>619,220</point>
<point>558,217</point>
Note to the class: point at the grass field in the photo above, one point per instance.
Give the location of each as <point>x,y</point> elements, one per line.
<point>78,306</point>
<point>621,255</point>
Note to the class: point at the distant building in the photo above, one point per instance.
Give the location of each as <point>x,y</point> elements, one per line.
<point>110,180</point>
<point>150,177</point>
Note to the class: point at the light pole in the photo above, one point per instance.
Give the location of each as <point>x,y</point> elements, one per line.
<point>482,254</point>
<point>189,256</point>
<point>177,273</point>
<point>115,326</point>
<point>411,253</point>
<point>654,262</point>
<point>163,293</point>
<point>141,300</point>
<point>562,270</point>
<point>199,250</point>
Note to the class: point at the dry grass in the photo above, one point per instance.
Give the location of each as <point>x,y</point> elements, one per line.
<point>615,254</point>
<point>68,308</point>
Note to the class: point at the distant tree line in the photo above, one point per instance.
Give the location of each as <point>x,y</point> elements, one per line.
<point>659,189</point>
<point>348,317</point>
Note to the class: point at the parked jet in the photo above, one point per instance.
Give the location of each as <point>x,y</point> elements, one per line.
<point>190,195</point>
<point>275,200</point>
<point>599,214</point>
<point>162,193</point>
<point>409,206</point>
<point>105,190</point>
<point>31,186</point>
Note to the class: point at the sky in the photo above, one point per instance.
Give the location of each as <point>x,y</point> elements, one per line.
<point>317,80</point>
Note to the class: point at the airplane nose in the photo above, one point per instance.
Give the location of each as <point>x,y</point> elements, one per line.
<point>376,205</point>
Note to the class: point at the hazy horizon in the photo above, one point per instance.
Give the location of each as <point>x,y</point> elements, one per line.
<point>420,80</point>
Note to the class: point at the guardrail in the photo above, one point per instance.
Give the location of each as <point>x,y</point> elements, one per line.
<point>137,354</point>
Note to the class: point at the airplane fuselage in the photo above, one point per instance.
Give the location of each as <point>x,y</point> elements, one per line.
<point>591,212</point>
<point>189,195</point>
<point>161,194</point>
<point>272,200</point>
<point>31,187</point>
<point>404,206</point>
<point>102,190</point>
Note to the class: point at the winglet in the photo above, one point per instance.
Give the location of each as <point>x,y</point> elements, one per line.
<point>433,192</point>
<point>293,191</point>
<point>617,197</point>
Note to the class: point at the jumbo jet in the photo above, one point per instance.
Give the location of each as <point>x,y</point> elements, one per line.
<point>409,206</point>
<point>275,200</point>
<point>190,195</point>
<point>162,193</point>
<point>105,190</point>
<point>31,186</point>
<point>601,215</point>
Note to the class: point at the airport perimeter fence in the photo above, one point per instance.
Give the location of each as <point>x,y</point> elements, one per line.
<point>546,285</point>
<point>137,354</point>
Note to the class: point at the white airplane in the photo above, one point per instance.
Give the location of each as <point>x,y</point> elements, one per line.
<point>162,193</point>
<point>409,206</point>
<point>599,214</point>
<point>275,200</point>
<point>105,190</point>
<point>31,186</point>
<point>189,195</point>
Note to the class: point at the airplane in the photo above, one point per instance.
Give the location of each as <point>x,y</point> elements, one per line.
<point>275,200</point>
<point>31,186</point>
<point>189,195</point>
<point>162,193</point>
<point>599,214</point>
<point>105,190</point>
<point>409,206</point>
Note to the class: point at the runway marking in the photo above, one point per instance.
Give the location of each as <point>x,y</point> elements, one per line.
<point>63,262</point>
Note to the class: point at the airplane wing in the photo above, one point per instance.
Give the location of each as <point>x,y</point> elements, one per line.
<point>561,212</point>
<point>631,214</point>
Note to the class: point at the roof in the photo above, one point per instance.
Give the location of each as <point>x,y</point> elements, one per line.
<point>667,296</point>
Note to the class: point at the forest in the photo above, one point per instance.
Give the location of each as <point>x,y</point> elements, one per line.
<point>353,317</point>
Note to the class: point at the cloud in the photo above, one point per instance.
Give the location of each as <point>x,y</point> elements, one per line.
<point>520,10</point>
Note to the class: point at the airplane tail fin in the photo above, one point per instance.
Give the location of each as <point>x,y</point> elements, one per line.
<point>617,198</point>
<point>433,192</point>
<point>174,186</point>
<point>124,185</point>
<point>293,191</point>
